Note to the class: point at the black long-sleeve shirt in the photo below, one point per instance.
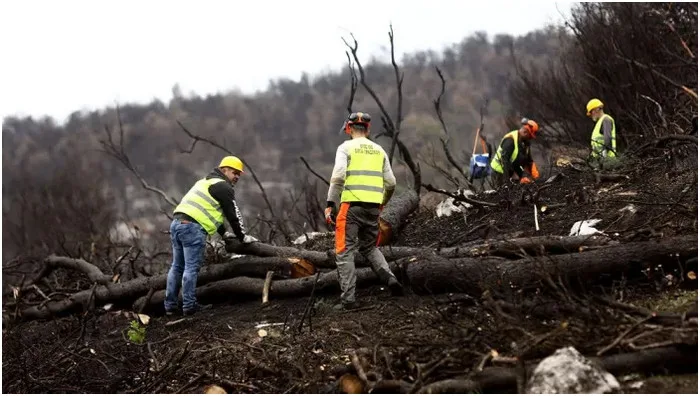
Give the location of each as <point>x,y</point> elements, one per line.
<point>225,195</point>
<point>523,160</point>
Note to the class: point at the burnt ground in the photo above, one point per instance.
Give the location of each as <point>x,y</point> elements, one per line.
<point>222,346</point>
<point>653,198</point>
<point>407,341</point>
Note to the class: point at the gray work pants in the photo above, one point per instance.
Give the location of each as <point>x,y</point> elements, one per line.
<point>357,229</point>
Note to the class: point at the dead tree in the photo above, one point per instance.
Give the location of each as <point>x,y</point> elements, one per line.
<point>446,140</point>
<point>391,128</point>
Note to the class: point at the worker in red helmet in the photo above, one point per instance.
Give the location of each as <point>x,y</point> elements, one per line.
<point>362,182</point>
<point>513,158</point>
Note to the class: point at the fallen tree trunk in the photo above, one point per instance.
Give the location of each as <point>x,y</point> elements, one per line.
<point>511,248</point>
<point>53,262</point>
<point>534,246</point>
<point>470,275</point>
<point>113,292</point>
<point>395,213</point>
<point>424,274</point>
<point>91,270</point>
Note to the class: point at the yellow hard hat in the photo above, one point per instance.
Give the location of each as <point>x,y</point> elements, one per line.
<point>232,162</point>
<point>593,104</point>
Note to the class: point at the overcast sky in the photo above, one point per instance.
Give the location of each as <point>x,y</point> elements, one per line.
<point>69,55</point>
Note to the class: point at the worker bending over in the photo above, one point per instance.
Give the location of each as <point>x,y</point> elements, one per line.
<point>200,213</point>
<point>513,158</point>
<point>362,183</point>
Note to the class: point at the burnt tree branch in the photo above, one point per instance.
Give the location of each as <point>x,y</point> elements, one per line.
<point>353,81</point>
<point>459,198</point>
<point>117,151</point>
<point>323,179</point>
<point>399,85</point>
<point>446,140</point>
<point>390,127</point>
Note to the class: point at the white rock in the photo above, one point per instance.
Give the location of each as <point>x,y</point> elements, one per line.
<point>448,206</point>
<point>585,227</point>
<point>567,371</point>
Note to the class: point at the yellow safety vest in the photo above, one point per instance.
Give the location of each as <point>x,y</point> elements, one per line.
<point>496,162</point>
<point>598,139</point>
<point>201,206</point>
<point>364,179</point>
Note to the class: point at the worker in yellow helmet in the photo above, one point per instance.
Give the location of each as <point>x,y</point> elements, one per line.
<point>513,159</point>
<point>362,182</point>
<point>200,213</point>
<point>603,138</point>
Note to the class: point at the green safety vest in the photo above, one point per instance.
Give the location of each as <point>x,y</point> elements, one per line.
<point>496,162</point>
<point>598,139</point>
<point>201,206</point>
<point>364,178</point>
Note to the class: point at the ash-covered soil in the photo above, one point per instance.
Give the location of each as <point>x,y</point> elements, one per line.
<point>408,341</point>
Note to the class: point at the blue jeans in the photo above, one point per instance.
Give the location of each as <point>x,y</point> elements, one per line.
<point>189,242</point>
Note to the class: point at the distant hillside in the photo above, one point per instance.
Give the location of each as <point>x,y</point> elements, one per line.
<point>270,130</point>
<point>291,118</point>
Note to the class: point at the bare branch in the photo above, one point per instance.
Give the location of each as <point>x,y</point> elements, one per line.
<point>313,171</point>
<point>399,84</point>
<point>662,76</point>
<point>353,81</point>
<point>117,152</point>
<point>659,110</point>
<point>459,198</point>
<point>389,126</point>
<point>446,140</point>
<point>431,162</point>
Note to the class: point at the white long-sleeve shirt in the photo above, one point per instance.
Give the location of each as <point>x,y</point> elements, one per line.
<point>342,159</point>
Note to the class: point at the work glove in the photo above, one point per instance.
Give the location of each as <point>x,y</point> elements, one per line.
<point>525,180</point>
<point>330,215</point>
<point>534,172</point>
<point>228,235</point>
<point>249,239</point>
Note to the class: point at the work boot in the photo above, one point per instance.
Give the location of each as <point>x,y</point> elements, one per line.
<point>197,308</point>
<point>390,280</point>
<point>395,286</point>
<point>172,313</point>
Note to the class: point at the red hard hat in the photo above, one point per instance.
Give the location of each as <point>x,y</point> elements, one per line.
<point>532,127</point>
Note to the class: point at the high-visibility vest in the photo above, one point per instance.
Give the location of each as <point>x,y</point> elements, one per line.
<point>201,206</point>
<point>497,162</point>
<point>598,138</point>
<point>364,178</point>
